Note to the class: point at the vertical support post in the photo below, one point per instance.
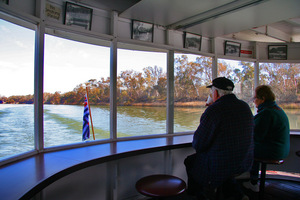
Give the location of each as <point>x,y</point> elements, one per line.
<point>112,180</point>
<point>169,37</point>
<point>168,162</point>
<point>214,69</point>
<point>256,67</point>
<point>256,72</point>
<point>113,76</point>
<point>39,78</point>
<point>170,92</point>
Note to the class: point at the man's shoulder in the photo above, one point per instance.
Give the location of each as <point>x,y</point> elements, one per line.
<point>231,99</point>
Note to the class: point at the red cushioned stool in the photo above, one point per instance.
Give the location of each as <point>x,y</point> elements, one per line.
<point>160,186</point>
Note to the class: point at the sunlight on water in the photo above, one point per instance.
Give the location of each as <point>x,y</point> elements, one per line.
<point>187,119</point>
<point>63,124</point>
<point>16,133</point>
<point>133,121</point>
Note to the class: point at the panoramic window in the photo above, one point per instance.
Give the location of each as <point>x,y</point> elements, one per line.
<point>71,69</point>
<point>284,78</point>
<point>242,74</point>
<point>17,88</point>
<point>192,73</point>
<point>142,93</point>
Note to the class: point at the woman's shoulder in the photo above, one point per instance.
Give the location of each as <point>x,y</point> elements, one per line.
<point>265,112</point>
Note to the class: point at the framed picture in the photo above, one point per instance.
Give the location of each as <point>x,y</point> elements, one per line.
<point>142,31</point>
<point>232,48</point>
<point>277,52</point>
<point>192,41</point>
<point>76,15</point>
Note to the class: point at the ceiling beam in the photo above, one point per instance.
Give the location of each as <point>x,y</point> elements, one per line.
<point>272,32</point>
<point>213,13</point>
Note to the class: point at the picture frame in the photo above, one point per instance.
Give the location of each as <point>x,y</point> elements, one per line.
<point>277,52</point>
<point>142,31</point>
<point>232,48</point>
<point>192,41</point>
<point>77,15</point>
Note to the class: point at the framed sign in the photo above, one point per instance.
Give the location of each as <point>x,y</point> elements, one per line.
<point>232,48</point>
<point>192,41</point>
<point>76,15</point>
<point>277,52</point>
<point>142,31</point>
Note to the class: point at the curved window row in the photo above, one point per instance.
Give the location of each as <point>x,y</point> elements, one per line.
<point>142,83</point>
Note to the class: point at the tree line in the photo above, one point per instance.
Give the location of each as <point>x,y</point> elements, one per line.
<point>190,81</point>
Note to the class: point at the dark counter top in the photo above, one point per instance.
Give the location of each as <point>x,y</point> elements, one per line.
<point>24,178</point>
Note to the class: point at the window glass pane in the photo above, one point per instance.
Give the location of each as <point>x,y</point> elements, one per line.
<point>142,90</point>
<point>242,74</point>
<point>192,73</point>
<point>70,66</point>
<point>284,78</point>
<point>17,88</point>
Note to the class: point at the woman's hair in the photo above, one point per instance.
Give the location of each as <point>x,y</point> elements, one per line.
<point>264,92</point>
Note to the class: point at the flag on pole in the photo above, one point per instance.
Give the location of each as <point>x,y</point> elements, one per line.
<point>86,127</point>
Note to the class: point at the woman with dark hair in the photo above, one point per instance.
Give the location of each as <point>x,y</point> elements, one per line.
<point>271,132</point>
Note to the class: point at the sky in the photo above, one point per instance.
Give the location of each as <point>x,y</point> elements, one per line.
<point>66,63</point>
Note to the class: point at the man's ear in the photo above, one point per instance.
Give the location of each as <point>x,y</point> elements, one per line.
<point>217,94</point>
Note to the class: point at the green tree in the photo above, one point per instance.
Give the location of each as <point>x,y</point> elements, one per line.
<point>283,78</point>
<point>225,70</point>
<point>246,80</point>
<point>154,81</point>
<point>191,78</point>
<point>133,83</point>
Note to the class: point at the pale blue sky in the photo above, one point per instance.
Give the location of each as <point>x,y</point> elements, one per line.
<point>67,63</point>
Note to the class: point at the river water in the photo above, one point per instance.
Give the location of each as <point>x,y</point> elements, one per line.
<point>63,124</point>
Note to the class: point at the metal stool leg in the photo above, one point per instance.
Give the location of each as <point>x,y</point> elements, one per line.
<point>262,181</point>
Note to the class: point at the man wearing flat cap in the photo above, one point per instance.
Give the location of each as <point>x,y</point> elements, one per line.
<point>223,142</point>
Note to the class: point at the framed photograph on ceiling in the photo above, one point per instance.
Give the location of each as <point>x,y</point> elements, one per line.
<point>277,52</point>
<point>192,41</point>
<point>232,48</point>
<point>142,31</point>
<point>77,15</point>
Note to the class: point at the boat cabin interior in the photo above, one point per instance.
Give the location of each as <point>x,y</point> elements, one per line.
<point>247,31</point>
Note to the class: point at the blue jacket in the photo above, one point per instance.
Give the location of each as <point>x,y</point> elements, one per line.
<point>223,141</point>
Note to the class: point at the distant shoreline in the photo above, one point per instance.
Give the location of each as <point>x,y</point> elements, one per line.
<point>199,104</point>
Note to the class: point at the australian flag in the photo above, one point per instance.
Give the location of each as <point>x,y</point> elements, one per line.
<point>86,127</point>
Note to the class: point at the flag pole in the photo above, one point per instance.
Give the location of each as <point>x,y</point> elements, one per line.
<point>88,101</point>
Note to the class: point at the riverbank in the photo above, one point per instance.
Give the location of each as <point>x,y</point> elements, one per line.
<point>176,104</point>
<point>201,104</point>
<point>197,104</point>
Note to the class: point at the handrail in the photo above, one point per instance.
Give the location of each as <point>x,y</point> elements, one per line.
<point>24,178</point>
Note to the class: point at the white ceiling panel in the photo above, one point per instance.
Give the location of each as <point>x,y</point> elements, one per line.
<point>215,18</point>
